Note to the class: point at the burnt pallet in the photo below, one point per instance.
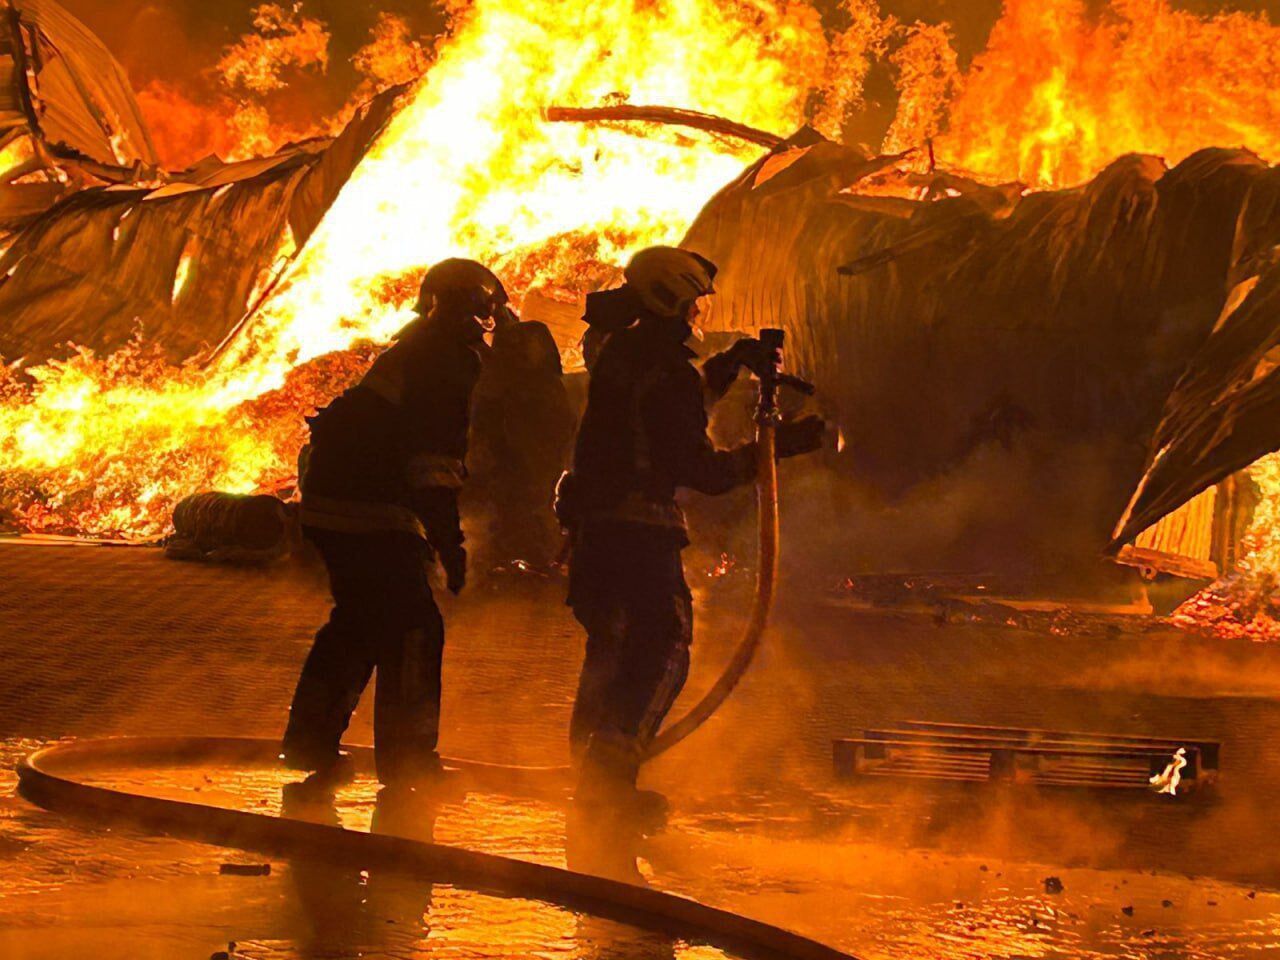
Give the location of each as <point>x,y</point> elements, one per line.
<point>925,750</point>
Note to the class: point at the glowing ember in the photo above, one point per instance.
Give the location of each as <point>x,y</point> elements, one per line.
<point>723,567</point>
<point>14,155</point>
<point>1245,604</point>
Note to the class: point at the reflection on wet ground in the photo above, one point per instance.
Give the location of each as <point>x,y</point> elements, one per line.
<point>758,826</point>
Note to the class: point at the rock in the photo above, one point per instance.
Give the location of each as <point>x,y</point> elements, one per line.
<point>1127,911</point>
<point>1166,903</point>
<point>1053,885</point>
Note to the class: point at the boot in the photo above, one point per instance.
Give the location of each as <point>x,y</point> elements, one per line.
<point>402,811</point>
<point>327,772</point>
<point>602,842</point>
<point>423,773</point>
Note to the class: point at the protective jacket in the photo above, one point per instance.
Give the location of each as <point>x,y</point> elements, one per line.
<point>642,437</point>
<point>389,454</point>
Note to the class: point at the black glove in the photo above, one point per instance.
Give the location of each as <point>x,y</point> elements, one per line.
<point>754,355</point>
<point>795,437</point>
<point>454,563</point>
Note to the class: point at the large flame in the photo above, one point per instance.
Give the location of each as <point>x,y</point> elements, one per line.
<point>468,166</point>
<point>1057,94</point>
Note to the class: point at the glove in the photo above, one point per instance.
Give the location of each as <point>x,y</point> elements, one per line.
<point>754,355</point>
<point>795,437</point>
<point>455,569</point>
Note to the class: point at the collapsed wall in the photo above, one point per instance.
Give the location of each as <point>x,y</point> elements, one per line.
<point>1012,354</point>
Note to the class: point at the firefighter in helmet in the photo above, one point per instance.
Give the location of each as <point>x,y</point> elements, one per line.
<point>380,487</point>
<point>643,436</point>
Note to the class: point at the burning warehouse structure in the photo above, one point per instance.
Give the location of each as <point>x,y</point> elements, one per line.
<point>1050,326</point>
<point>1098,352</point>
<point>1038,310</point>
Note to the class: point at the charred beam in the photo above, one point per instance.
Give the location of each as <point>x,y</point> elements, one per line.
<point>668,116</point>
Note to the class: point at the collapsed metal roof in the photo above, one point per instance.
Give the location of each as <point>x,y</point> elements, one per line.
<point>1024,355</point>
<point>59,84</point>
<point>105,262</point>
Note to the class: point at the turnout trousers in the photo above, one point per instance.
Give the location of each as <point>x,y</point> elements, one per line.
<point>385,619</point>
<point>636,664</point>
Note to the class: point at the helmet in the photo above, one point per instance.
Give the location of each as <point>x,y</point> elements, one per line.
<point>464,286</point>
<point>667,279</point>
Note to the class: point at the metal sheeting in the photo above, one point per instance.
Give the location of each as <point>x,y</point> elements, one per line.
<point>103,263</point>
<point>1224,414</point>
<point>1057,331</point>
<point>81,99</point>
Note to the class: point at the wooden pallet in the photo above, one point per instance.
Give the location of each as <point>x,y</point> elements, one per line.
<point>963,753</point>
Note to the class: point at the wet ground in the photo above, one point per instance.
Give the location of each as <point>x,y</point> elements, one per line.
<point>100,640</point>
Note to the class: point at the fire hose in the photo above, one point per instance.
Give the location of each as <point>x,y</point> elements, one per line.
<point>52,778</point>
<point>48,778</point>
<point>771,379</point>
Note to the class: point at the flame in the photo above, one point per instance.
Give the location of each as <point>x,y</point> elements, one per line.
<point>864,38</point>
<point>106,445</point>
<point>1058,94</point>
<point>391,57</point>
<point>282,39</point>
<point>183,273</point>
<point>1245,604</point>
<point>14,155</point>
<point>1167,781</point>
<point>468,167</point>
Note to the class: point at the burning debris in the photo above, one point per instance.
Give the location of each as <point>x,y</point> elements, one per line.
<point>1054,323</point>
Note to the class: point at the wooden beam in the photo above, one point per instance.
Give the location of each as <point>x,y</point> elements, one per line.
<point>668,116</point>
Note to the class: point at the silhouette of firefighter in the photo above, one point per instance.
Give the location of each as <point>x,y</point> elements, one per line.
<point>380,491</point>
<point>643,437</point>
<point>522,435</point>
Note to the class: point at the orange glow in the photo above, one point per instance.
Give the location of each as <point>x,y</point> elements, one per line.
<point>468,166</point>
<point>1058,94</point>
<point>106,445</point>
<point>283,39</point>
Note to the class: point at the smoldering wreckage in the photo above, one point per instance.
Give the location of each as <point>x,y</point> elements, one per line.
<point>1105,350</point>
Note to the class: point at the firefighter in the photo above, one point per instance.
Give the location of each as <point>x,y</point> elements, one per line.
<point>521,436</point>
<point>644,436</point>
<point>380,501</point>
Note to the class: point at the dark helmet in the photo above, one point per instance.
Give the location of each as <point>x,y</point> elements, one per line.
<point>463,286</point>
<point>667,279</point>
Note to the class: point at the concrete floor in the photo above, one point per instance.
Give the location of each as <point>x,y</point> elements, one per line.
<point>99,640</point>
